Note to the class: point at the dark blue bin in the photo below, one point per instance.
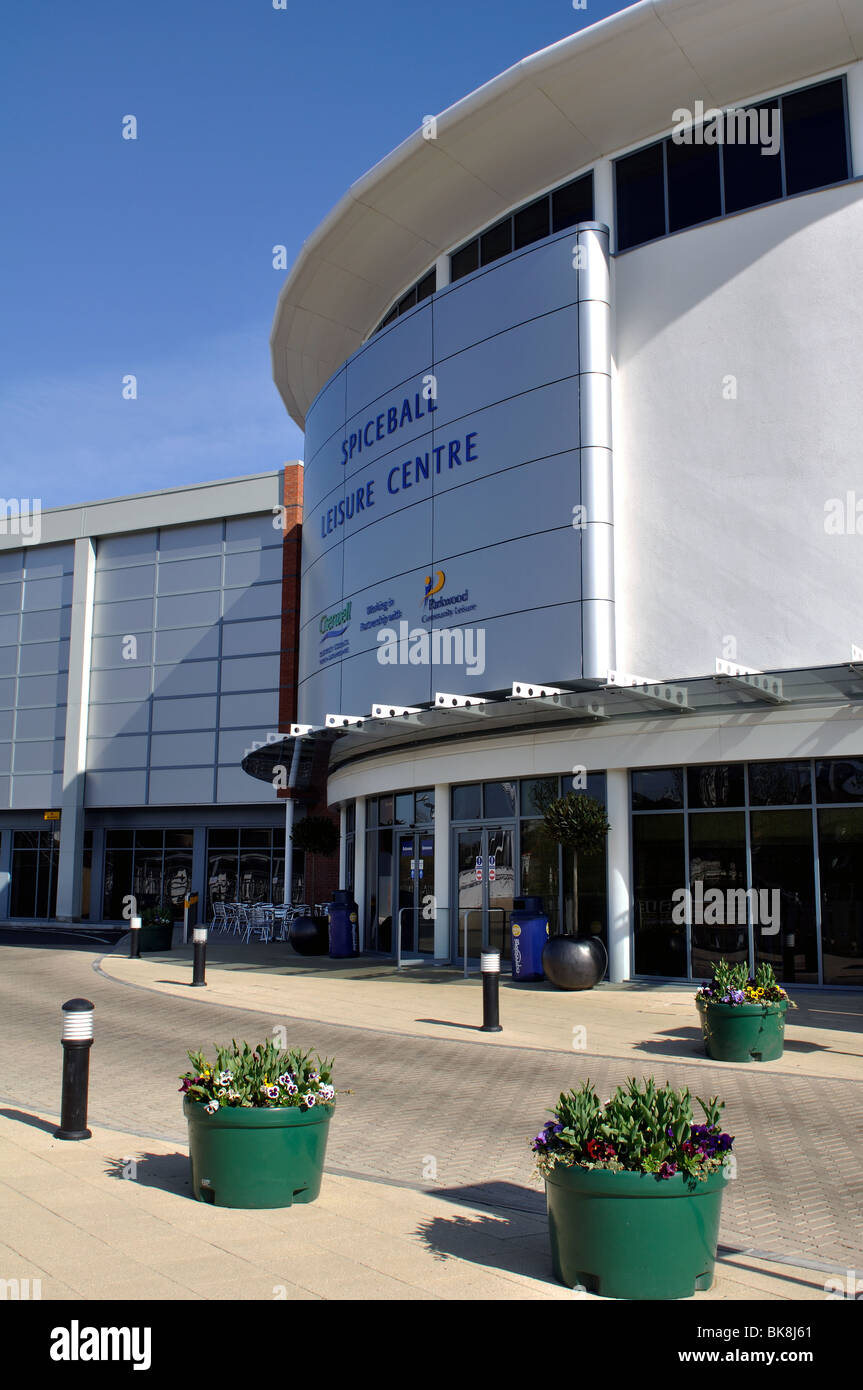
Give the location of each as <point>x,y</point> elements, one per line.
<point>529,929</point>
<point>343,917</point>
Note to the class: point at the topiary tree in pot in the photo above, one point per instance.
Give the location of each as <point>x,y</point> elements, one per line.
<point>313,835</point>
<point>577,822</point>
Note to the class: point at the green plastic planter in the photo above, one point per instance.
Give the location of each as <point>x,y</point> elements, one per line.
<point>633,1235</point>
<point>257,1157</point>
<point>157,938</point>
<point>743,1032</point>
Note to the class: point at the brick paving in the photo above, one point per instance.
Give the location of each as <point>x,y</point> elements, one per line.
<point>442,1114</point>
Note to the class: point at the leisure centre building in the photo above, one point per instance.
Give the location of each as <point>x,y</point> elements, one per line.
<point>577,367</point>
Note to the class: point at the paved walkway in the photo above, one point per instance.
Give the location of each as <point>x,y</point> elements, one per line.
<point>438,1112</point>
<point>111,1218</point>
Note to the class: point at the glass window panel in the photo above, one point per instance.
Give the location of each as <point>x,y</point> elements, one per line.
<point>536,792</point>
<point>25,874</point>
<point>532,223</point>
<point>147,878</point>
<point>572,203</point>
<point>382,921</point>
<point>813,137</point>
<point>223,838</point>
<point>149,839</point>
<point>640,184</point>
<point>496,242</point>
<point>717,784</point>
<point>464,261</point>
<point>467,802</point>
<point>117,882</point>
<point>408,301</point>
<point>658,871</point>
<point>177,882</point>
<point>751,178</point>
<point>424,807</point>
<point>371,812</point>
<point>385,810</point>
<point>393,314</point>
<point>840,835</point>
<point>592,895</point>
<point>427,286</point>
<point>779,784</point>
<point>255,839</point>
<point>694,193</point>
<point>783,871</point>
<point>839,779</point>
<point>351,817</point>
<point>119,839</point>
<point>254,880</point>
<point>499,799</point>
<point>222,877</point>
<point>404,808</point>
<point>717,861</point>
<point>540,868</point>
<point>179,839</point>
<point>658,789</point>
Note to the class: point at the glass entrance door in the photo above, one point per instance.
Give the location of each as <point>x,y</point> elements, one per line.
<point>485,883</point>
<point>415,869</point>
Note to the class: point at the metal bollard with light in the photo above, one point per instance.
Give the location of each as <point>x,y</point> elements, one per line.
<point>489,965</point>
<point>77,1039</point>
<point>199,965</point>
<point>135,938</point>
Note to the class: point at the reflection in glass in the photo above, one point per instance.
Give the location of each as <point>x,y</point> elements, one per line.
<point>717,860</point>
<point>499,799</point>
<point>536,792</point>
<point>839,779</point>
<point>424,807</point>
<point>840,835</point>
<point>467,802</point>
<point>719,784</point>
<point>658,870</point>
<point>540,873</point>
<point>779,784</point>
<point>657,789</point>
<point>783,860</point>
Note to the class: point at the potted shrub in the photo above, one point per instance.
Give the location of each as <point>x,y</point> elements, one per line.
<point>258,1123</point>
<point>743,1015</point>
<point>633,1190</point>
<point>157,928</point>
<point>578,822</point>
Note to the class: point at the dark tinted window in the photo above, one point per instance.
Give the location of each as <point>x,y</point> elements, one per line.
<point>408,301</point>
<point>839,779</point>
<point>660,789</point>
<point>752,174</point>
<point>427,286</point>
<point>572,203</point>
<point>496,242</point>
<point>532,223</point>
<point>393,313</point>
<point>694,194</point>
<point>720,784</point>
<point>464,261</point>
<point>779,784</point>
<point>813,137</point>
<point>499,799</point>
<point>640,197</point>
<point>467,802</point>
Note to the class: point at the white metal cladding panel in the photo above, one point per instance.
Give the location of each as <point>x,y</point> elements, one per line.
<point>35,612</point>
<point>202,603</point>
<point>490,528</point>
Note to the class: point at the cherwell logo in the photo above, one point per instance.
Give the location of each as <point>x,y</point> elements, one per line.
<point>77,1343</point>
<point>336,624</point>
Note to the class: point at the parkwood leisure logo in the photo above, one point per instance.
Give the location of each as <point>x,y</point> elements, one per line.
<point>77,1343</point>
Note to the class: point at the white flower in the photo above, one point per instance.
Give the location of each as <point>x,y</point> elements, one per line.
<point>309,1099</point>
<point>326,1091</point>
<point>211,1107</point>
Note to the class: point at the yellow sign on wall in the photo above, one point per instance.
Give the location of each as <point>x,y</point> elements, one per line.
<point>51,815</point>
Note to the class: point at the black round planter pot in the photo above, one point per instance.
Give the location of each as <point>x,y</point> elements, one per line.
<point>574,962</point>
<point>310,936</point>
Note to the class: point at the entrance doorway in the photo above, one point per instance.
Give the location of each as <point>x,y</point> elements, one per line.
<point>485,883</point>
<point>415,903</point>
<point>35,859</point>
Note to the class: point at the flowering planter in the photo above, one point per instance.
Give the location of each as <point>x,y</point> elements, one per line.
<point>257,1156</point>
<point>633,1235</point>
<point>157,938</point>
<point>743,1032</point>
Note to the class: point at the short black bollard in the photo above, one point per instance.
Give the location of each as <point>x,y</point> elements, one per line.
<point>490,967</point>
<point>77,1039</point>
<point>135,938</point>
<point>199,965</point>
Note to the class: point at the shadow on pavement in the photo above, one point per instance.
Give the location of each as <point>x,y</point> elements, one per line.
<point>513,1241</point>
<point>33,1120</point>
<point>168,1172</point>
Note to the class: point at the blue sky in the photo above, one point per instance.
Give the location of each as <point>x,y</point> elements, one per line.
<point>154,256</point>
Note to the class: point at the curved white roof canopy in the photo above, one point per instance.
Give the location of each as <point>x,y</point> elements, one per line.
<point>612,85</point>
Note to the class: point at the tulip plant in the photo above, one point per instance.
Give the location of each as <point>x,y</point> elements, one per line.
<point>259,1077</point>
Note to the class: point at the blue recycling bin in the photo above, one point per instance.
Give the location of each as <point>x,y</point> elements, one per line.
<point>343,917</point>
<point>529,928</point>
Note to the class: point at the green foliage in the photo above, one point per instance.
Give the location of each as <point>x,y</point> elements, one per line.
<point>579,822</point>
<point>160,916</point>
<point>732,984</point>
<point>264,1076</point>
<point>642,1128</point>
<point>316,835</point>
